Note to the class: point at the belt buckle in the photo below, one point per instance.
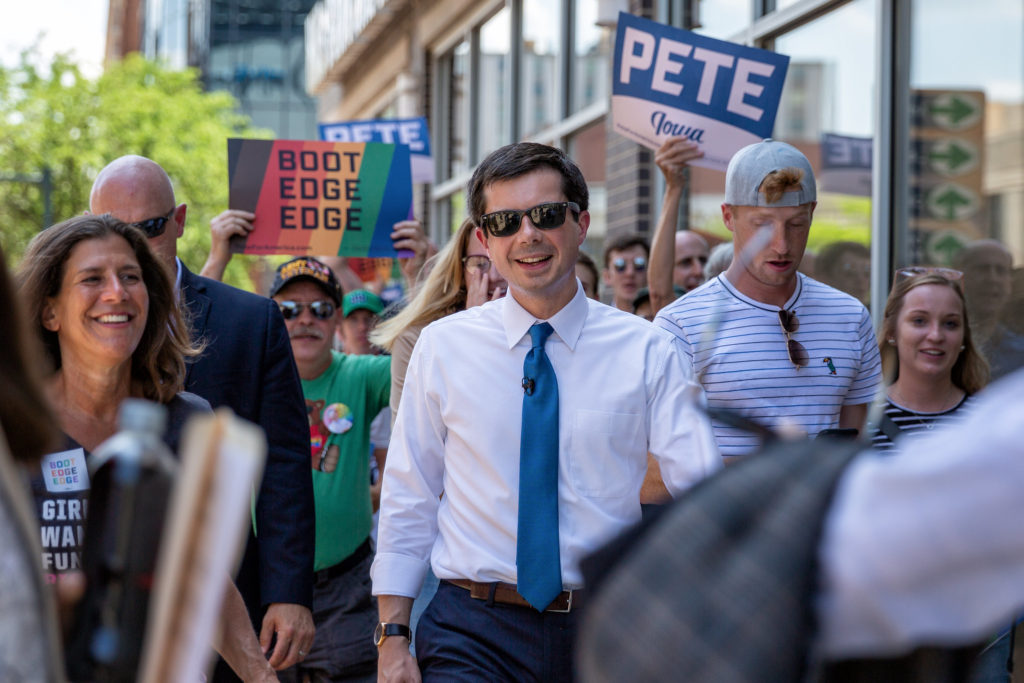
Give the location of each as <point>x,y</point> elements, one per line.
<point>568,606</point>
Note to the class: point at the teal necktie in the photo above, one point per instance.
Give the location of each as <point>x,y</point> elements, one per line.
<point>537,558</point>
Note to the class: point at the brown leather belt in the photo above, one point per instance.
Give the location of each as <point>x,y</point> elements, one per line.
<point>506,594</point>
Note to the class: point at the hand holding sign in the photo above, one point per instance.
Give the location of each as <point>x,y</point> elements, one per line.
<point>672,158</point>
<point>228,232</point>
<point>674,83</point>
<point>408,236</point>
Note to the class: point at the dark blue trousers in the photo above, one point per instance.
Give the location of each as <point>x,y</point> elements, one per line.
<point>463,639</point>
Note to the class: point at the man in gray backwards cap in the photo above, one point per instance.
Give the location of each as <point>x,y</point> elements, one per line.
<point>765,340</point>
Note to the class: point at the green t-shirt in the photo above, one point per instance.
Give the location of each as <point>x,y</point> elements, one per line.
<point>341,403</point>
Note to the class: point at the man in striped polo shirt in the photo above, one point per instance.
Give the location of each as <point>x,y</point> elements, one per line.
<point>766,341</point>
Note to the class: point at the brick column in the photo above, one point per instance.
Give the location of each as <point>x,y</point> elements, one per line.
<point>628,170</point>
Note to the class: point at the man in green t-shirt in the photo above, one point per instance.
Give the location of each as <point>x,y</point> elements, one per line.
<point>343,394</point>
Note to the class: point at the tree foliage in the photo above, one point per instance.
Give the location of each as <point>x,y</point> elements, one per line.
<point>52,116</point>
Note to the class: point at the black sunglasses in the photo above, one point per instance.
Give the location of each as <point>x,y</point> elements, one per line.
<point>639,264</point>
<point>546,216</point>
<point>790,324</point>
<point>154,227</point>
<point>293,309</point>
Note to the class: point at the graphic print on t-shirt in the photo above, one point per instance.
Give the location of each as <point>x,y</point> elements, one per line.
<point>66,471</point>
<point>62,509</point>
<point>325,420</point>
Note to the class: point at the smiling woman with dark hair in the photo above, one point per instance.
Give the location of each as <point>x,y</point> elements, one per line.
<point>104,308</point>
<point>130,316</point>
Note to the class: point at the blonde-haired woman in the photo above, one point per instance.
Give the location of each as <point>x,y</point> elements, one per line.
<point>928,356</point>
<point>460,277</point>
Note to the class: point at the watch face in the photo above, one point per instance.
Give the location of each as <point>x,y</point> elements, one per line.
<point>385,629</point>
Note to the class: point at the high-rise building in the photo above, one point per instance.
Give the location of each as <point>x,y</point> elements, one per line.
<point>253,49</point>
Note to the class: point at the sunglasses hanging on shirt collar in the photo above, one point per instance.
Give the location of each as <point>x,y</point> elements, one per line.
<point>797,352</point>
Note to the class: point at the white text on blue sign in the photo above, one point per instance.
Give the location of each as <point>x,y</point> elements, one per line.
<point>735,84</point>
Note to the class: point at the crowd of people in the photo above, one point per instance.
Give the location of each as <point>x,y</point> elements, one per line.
<point>471,445</point>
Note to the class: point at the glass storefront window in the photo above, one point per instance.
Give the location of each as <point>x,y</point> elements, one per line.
<point>457,211</point>
<point>967,162</point>
<point>724,18</point>
<point>540,92</point>
<point>494,83</point>
<point>560,74</point>
<point>458,114</point>
<point>827,111</point>
<point>592,46</point>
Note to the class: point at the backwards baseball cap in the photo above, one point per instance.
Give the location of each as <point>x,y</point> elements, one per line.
<point>362,298</point>
<point>307,268</point>
<point>751,165</point>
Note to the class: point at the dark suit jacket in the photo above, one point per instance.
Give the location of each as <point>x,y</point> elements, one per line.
<point>248,366</point>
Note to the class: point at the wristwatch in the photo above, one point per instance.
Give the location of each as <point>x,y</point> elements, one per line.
<point>384,630</point>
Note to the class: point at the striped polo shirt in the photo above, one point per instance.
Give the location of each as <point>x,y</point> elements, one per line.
<point>739,356</point>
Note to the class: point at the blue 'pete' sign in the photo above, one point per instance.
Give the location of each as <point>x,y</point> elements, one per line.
<point>668,82</point>
<point>846,164</point>
<point>412,132</point>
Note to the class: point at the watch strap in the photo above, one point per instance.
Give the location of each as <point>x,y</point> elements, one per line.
<point>386,630</point>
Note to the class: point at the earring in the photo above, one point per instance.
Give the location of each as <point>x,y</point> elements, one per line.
<point>963,346</point>
<point>892,341</point>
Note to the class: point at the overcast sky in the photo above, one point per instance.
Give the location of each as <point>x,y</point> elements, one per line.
<point>78,26</point>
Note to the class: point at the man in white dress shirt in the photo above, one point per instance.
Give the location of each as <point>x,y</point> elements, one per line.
<point>623,390</point>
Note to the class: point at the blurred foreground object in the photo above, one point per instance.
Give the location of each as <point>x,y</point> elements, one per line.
<point>807,563</point>
<point>132,474</point>
<point>222,462</point>
<point>29,640</point>
<point>198,546</point>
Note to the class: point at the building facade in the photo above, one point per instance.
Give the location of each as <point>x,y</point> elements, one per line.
<point>872,77</point>
<point>254,49</point>
<point>911,111</point>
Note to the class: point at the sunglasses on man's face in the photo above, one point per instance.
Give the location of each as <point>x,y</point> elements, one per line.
<point>293,309</point>
<point>154,227</point>
<point>639,264</point>
<point>790,324</point>
<point>546,216</point>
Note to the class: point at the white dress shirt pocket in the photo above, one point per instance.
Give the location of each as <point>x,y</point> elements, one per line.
<point>606,448</point>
